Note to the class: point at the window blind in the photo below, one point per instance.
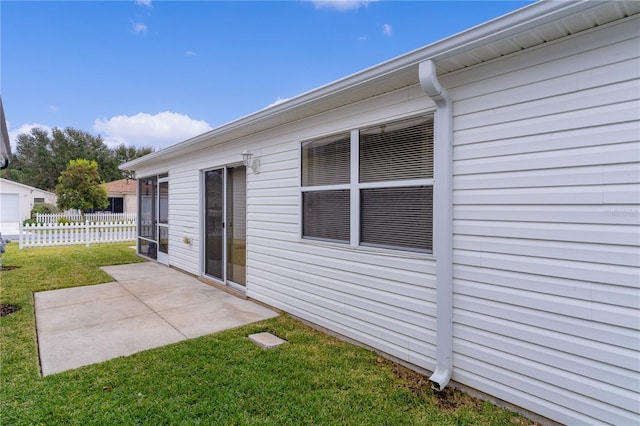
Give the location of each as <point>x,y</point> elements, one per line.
<point>326,215</point>
<point>397,151</point>
<point>326,161</point>
<point>397,217</point>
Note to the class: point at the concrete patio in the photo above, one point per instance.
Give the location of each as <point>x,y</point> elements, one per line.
<point>148,305</point>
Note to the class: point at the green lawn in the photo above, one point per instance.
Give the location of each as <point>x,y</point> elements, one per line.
<point>219,379</point>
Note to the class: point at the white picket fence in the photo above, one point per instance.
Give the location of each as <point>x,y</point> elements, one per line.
<point>75,216</point>
<point>58,234</point>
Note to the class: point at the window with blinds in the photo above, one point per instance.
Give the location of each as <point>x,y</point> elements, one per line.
<point>397,217</point>
<point>326,212</point>
<point>326,161</point>
<point>326,215</point>
<point>397,151</point>
<point>394,180</point>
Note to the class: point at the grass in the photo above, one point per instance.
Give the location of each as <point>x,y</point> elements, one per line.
<point>220,379</point>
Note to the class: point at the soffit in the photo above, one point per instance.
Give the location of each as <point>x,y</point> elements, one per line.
<point>598,14</point>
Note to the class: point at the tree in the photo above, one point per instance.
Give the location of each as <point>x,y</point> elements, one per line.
<point>69,144</point>
<point>125,153</point>
<point>33,163</point>
<point>79,187</point>
<point>41,157</point>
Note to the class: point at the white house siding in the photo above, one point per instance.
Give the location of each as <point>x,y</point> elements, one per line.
<point>184,218</point>
<point>16,202</point>
<point>546,227</point>
<point>130,203</point>
<point>381,298</point>
<point>384,299</point>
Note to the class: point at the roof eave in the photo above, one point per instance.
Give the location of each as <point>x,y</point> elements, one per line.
<point>28,187</point>
<point>500,28</point>
<point>5,143</point>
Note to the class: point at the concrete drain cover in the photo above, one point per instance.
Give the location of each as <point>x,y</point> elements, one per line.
<point>266,340</point>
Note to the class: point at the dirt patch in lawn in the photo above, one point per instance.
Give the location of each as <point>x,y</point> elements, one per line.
<point>8,309</point>
<point>449,399</point>
<point>8,268</point>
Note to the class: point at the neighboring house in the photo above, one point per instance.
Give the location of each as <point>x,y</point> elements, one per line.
<point>16,202</point>
<point>122,196</point>
<point>470,209</point>
<point>5,143</point>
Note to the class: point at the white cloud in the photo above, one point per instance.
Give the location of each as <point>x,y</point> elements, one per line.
<point>191,53</point>
<point>143,3</point>
<point>341,5</point>
<point>54,108</point>
<point>25,128</point>
<point>386,29</point>
<point>277,101</point>
<point>159,130</point>
<point>139,27</point>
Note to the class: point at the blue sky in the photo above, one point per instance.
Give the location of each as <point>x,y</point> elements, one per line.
<point>153,73</point>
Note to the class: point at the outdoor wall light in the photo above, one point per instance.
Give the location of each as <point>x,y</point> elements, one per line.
<point>250,162</point>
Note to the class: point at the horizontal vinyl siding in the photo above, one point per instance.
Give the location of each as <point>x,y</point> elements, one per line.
<point>184,219</point>
<point>547,227</point>
<point>381,298</point>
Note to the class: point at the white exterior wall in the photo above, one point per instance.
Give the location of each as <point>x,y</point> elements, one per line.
<point>546,227</point>
<point>129,201</point>
<point>383,298</point>
<point>26,194</point>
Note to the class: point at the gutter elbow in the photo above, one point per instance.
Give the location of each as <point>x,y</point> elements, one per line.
<point>440,378</point>
<point>429,82</point>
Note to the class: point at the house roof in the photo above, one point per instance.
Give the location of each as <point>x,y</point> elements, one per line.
<point>4,182</point>
<point>5,144</point>
<point>122,186</point>
<point>530,26</point>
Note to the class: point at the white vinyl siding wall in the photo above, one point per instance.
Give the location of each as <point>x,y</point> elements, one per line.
<point>380,297</point>
<point>546,227</point>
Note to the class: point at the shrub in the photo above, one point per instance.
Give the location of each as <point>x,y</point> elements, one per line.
<point>30,222</point>
<point>42,208</point>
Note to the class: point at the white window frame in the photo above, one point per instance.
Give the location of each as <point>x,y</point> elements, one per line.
<point>355,186</point>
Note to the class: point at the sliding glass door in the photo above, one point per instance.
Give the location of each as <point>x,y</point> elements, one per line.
<point>236,237</point>
<point>214,222</point>
<point>163,221</point>
<point>225,224</point>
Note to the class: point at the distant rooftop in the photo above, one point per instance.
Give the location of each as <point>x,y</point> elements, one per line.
<point>122,186</point>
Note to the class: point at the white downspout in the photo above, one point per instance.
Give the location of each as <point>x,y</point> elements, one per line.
<point>443,222</point>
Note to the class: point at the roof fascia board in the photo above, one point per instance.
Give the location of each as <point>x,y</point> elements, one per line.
<point>29,187</point>
<point>500,28</point>
<point>5,143</point>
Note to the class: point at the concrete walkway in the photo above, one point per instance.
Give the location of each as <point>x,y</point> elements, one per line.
<point>149,306</point>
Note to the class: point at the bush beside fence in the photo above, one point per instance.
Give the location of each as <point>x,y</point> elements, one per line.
<point>89,217</point>
<point>54,234</point>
